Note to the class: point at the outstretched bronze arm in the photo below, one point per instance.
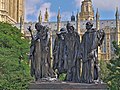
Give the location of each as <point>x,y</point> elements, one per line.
<point>30,30</point>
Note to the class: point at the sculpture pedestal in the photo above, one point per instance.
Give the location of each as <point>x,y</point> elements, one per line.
<point>66,86</point>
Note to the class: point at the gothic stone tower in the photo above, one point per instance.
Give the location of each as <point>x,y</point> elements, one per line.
<point>11,11</point>
<point>87,12</point>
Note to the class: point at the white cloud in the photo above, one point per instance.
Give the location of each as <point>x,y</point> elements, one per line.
<point>43,9</point>
<point>32,8</point>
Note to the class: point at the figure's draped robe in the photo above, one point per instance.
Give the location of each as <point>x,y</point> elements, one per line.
<point>59,55</point>
<point>59,61</point>
<point>73,57</point>
<point>41,58</point>
<point>86,48</point>
<point>37,58</point>
<point>89,47</point>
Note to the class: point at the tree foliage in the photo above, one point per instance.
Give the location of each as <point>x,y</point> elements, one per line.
<point>14,70</point>
<point>103,70</point>
<point>113,78</point>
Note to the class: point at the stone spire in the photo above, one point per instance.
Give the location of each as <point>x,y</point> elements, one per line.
<point>117,26</point>
<point>40,17</point>
<point>117,14</point>
<point>97,20</point>
<point>58,20</point>
<point>98,27</point>
<point>78,22</point>
<point>46,16</point>
<point>87,12</point>
<point>58,16</point>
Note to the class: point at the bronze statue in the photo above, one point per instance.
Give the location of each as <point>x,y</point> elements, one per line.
<point>40,53</point>
<point>89,47</point>
<point>72,54</point>
<point>67,55</point>
<point>59,52</point>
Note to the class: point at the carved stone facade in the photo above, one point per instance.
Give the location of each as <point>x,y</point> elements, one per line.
<point>11,11</point>
<point>87,12</point>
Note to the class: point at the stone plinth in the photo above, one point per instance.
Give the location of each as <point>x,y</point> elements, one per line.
<point>66,86</point>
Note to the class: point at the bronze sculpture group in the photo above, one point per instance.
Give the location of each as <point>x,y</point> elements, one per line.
<point>78,60</point>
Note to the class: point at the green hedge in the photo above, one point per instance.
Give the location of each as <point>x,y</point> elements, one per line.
<point>14,73</point>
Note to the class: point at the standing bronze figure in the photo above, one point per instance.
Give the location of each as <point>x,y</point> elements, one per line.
<point>89,47</point>
<point>72,54</point>
<point>67,55</point>
<point>40,53</point>
<point>59,52</point>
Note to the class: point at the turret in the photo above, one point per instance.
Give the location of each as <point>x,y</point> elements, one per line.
<point>72,17</point>
<point>40,17</point>
<point>46,16</point>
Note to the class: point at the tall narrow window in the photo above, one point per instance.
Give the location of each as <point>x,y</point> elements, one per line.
<point>87,8</point>
<point>2,4</point>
